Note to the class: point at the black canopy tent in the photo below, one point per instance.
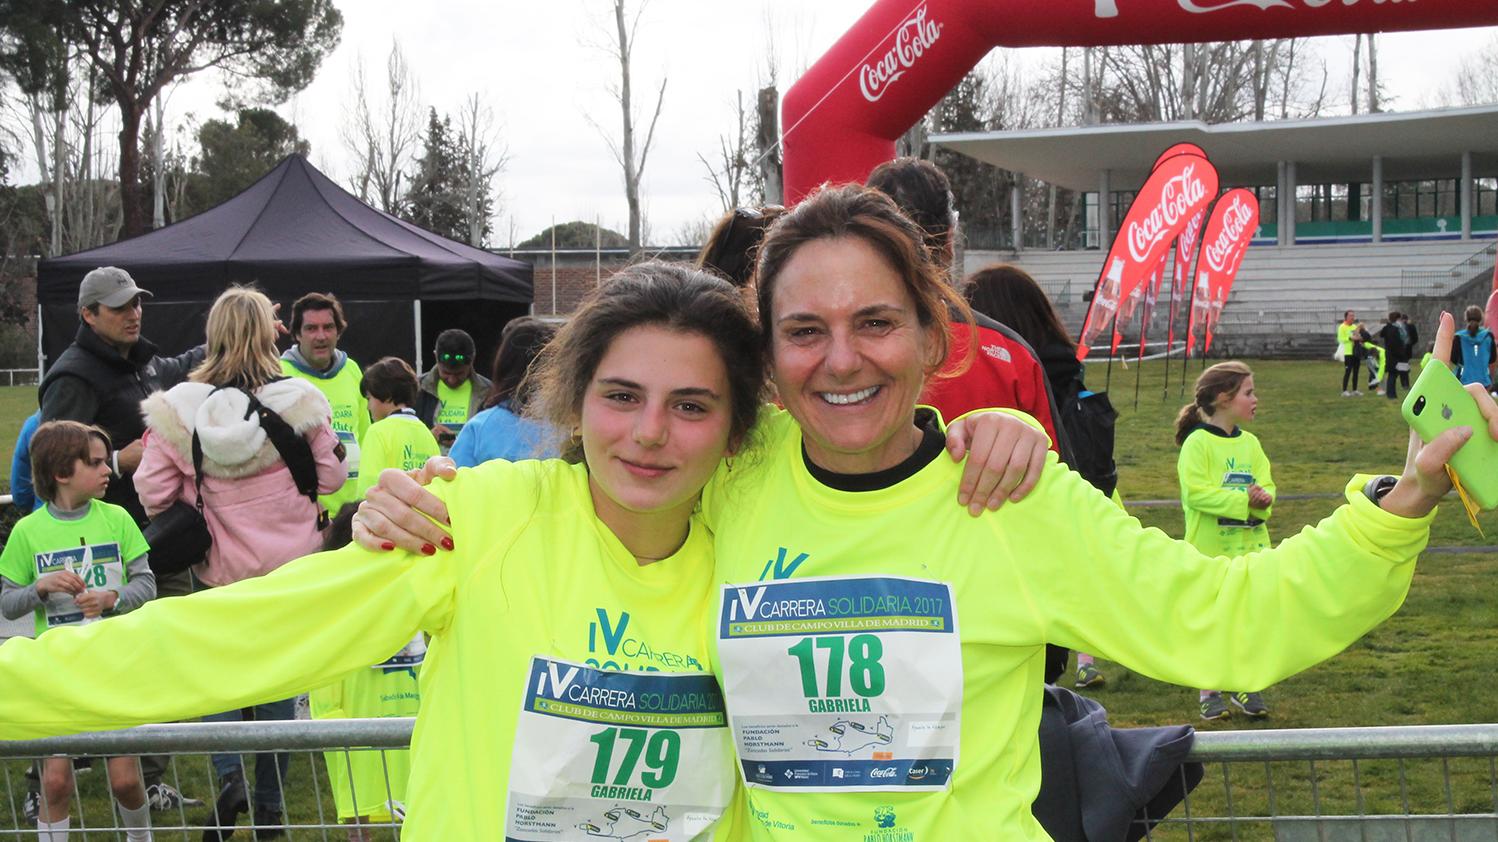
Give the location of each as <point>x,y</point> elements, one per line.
<point>292,232</point>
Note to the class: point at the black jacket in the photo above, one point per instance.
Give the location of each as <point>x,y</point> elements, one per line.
<point>93,384</point>
<point>1104,784</point>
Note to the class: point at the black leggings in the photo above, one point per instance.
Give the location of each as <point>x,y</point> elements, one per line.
<point>1351,365</point>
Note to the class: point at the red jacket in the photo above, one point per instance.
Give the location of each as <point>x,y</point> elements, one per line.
<point>1003,373</point>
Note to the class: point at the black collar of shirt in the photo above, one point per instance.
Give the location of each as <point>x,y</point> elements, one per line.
<point>933,442</point>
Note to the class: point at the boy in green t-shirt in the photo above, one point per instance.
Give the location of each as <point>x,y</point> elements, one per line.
<point>397,438</point>
<point>71,562</point>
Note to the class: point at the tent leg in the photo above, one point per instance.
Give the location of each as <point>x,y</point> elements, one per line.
<point>416,315</point>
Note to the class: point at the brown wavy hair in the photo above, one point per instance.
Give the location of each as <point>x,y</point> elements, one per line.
<point>852,210</point>
<point>1220,379</point>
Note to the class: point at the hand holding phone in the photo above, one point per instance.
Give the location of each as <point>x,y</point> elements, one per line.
<point>1438,402</point>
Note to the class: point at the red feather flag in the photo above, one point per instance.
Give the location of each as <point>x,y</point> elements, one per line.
<point>1181,186</point>
<point>1234,220</point>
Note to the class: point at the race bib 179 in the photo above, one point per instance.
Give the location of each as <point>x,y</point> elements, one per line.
<point>843,684</point>
<point>618,755</point>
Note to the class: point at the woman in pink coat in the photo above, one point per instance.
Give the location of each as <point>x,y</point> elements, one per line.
<point>255,514</point>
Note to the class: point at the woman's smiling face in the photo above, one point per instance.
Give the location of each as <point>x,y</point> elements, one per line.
<point>849,355</point>
<point>655,422</point>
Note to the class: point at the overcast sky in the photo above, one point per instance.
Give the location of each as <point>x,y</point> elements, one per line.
<point>534,65</point>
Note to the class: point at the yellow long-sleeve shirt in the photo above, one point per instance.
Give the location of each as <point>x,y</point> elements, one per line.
<point>1064,565</point>
<point>534,573</point>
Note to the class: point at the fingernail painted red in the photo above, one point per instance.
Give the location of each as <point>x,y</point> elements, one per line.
<point>388,545</point>
<point>428,549</point>
<point>447,543</point>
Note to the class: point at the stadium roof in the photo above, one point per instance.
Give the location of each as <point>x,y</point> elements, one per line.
<point>1414,145</point>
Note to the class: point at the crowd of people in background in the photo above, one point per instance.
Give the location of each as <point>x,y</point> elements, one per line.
<point>648,412</point>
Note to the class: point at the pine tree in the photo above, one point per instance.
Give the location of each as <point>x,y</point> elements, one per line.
<point>438,189</point>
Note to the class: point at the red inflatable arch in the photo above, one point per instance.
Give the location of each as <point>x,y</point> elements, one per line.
<point>841,119</point>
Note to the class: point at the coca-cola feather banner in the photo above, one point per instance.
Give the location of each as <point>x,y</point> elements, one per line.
<point>1180,187</point>
<point>1180,280</point>
<point>1231,227</point>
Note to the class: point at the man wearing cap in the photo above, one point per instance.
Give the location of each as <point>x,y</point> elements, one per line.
<point>101,379</point>
<point>451,391</point>
<point>103,376</point>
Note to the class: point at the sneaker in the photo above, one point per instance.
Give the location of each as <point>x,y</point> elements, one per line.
<point>1213,707</point>
<point>1356,393</point>
<point>270,822</point>
<point>1346,394</point>
<point>31,805</point>
<point>1252,704</point>
<point>163,796</point>
<point>231,804</point>
<point>1089,676</point>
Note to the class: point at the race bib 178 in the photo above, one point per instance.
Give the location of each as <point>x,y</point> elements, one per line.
<point>618,755</point>
<point>843,684</point>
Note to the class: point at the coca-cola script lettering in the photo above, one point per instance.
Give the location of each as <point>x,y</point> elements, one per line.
<point>915,36</point>
<point>1180,196</point>
<point>1234,222</point>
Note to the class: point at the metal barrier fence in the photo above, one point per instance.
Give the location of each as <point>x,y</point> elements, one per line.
<point>1411,783</point>
<point>20,376</point>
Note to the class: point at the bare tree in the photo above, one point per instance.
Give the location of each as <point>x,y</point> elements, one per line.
<point>67,132</point>
<point>383,141</point>
<point>732,172</point>
<point>1477,76</point>
<point>1357,68</point>
<point>630,154</point>
<point>484,158</point>
<point>1218,82</point>
<point>1374,94</point>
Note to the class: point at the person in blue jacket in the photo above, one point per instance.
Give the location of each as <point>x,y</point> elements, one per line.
<point>1478,355</point>
<point>22,494</point>
<point>498,430</point>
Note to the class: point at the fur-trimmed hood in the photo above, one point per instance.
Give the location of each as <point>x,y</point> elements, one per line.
<point>234,444</point>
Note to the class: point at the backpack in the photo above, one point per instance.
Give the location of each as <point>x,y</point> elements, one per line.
<point>179,536</point>
<point>1087,419</point>
<point>293,449</point>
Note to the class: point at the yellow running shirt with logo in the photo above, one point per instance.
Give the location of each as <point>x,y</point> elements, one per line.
<point>536,586</point>
<point>350,420</point>
<point>881,652</point>
<point>398,440</point>
<point>98,547</point>
<point>1215,469</point>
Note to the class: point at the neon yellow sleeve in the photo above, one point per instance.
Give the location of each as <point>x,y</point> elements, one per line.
<point>1198,468</point>
<point>1243,622</point>
<point>1264,478</point>
<point>255,641</point>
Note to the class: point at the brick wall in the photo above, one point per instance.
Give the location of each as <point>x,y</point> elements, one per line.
<point>574,274</point>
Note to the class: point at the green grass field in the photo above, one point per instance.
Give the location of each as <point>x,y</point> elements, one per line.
<point>1426,665</point>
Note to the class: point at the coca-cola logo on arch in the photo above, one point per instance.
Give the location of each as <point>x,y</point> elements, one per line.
<point>1235,222</point>
<point>914,36</point>
<point>1109,8</point>
<point>1179,196</point>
